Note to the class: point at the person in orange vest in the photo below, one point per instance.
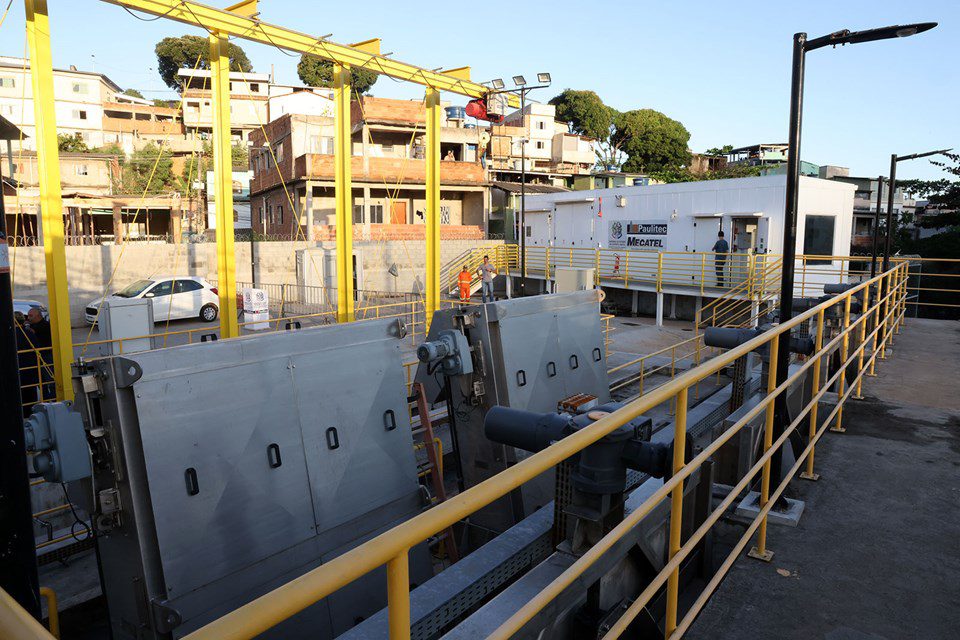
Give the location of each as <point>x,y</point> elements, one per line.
<point>464,280</point>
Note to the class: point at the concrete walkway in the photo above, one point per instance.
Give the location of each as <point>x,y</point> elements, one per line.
<point>877,552</point>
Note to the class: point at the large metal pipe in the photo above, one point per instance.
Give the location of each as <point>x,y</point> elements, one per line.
<point>525,429</point>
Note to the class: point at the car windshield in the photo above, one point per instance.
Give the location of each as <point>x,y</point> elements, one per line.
<point>135,289</point>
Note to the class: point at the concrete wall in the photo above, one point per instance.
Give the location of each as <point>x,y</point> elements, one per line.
<point>89,268</point>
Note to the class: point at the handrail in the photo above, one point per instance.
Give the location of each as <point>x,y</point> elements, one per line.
<point>391,548</point>
<point>17,624</point>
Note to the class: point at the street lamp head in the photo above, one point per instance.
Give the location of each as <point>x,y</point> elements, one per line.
<point>543,78</point>
<point>914,156</point>
<point>519,81</point>
<point>497,84</point>
<point>845,36</point>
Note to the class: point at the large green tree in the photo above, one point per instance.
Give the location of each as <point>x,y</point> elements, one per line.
<point>944,194</point>
<point>149,170</point>
<point>317,72</point>
<point>651,140</point>
<point>183,53</point>
<point>587,115</point>
<point>71,143</point>
<point>133,93</point>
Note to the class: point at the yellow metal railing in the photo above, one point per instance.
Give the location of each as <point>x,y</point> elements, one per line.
<point>873,328</point>
<point>505,258</point>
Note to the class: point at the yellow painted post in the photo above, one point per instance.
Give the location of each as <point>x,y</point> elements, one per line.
<point>659,271</point>
<point>398,597</point>
<point>885,292</point>
<point>760,552</point>
<point>433,204</point>
<point>863,342</point>
<point>223,185</point>
<point>815,389</point>
<point>676,509</point>
<point>343,187</point>
<point>874,325</point>
<point>703,271</point>
<point>844,352</point>
<point>900,298</point>
<point>51,202</point>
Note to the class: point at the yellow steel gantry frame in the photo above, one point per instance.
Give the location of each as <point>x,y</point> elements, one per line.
<point>51,203</point>
<point>240,20</point>
<point>223,184</point>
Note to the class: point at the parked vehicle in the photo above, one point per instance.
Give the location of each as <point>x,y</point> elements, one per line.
<point>172,298</point>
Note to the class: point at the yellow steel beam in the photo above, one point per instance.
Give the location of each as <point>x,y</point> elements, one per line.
<point>342,152</point>
<point>233,24</point>
<point>244,8</point>
<point>223,185</point>
<point>433,204</point>
<point>51,202</point>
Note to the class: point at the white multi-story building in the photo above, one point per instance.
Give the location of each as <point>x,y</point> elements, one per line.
<point>79,99</point>
<point>249,96</point>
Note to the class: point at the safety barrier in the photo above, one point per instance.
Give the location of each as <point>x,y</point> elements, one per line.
<point>861,343</point>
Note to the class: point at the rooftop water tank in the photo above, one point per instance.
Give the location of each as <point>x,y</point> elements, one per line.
<point>456,113</point>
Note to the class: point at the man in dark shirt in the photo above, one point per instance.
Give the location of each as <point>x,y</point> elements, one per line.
<point>721,249</point>
<point>43,344</point>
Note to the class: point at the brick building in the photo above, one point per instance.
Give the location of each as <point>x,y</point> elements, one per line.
<point>292,189</point>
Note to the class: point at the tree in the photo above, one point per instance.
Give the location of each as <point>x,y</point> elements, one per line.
<point>683,174</point>
<point>149,170</point>
<point>183,52</point>
<point>133,93</point>
<point>587,115</point>
<point>317,72</point>
<point>719,151</point>
<point>651,140</point>
<point>71,143</point>
<point>943,194</point>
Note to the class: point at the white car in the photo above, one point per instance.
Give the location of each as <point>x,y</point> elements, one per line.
<point>172,298</point>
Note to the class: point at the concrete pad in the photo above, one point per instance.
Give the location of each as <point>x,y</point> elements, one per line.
<point>749,507</point>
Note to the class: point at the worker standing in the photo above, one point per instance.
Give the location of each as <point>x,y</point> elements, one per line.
<point>464,280</point>
<point>720,250</point>
<point>486,271</point>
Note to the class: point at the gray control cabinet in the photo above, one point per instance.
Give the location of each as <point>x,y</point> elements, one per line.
<point>224,469</point>
<point>528,353</point>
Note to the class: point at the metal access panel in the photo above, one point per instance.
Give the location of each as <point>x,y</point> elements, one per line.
<point>240,464</point>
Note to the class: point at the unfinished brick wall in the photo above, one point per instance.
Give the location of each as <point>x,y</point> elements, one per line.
<point>392,170</point>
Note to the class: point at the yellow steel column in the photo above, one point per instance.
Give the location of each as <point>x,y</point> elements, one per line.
<point>398,597</point>
<point>433,203</point>
<point>51,203</point>
<point>343,185</point>
<point>844,351</point>
<point>676,508</point>
<point>760,552</point>
<point>863,341</point>
<point>223,185</point>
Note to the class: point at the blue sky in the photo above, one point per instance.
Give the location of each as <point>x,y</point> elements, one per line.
<point>721,68</point>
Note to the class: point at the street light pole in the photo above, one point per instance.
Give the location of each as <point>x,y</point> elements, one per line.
<point>876,229</point>
<point>801,45</point>
<point>523,197</point>
<point>891,188</point>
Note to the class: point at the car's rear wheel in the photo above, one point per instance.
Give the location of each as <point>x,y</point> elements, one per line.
<point>208,313</point>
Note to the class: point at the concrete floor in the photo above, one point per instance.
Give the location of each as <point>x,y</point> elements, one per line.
<point>877,552</point>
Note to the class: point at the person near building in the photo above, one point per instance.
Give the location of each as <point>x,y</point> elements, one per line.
<point>464,280</point>
<point>486,271</point>
<point>720,250</point>
<point>43,344</point>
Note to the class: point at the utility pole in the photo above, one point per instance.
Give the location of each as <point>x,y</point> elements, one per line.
<point>18,560</point>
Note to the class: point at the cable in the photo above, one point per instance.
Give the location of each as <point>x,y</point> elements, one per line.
<point>76,518</point>
<point>153,19</point>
